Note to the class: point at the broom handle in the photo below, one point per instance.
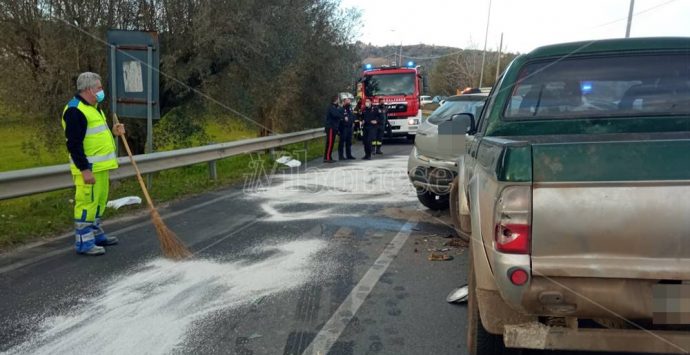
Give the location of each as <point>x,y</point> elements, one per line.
<point>136,168</point>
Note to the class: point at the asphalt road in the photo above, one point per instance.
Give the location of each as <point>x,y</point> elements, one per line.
<point>327,259</point>
<point>324,259</point>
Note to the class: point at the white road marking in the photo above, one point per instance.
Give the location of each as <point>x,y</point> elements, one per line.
<point>335,326</point>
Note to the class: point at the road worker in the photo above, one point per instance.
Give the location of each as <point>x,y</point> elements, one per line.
<point>92,155</point>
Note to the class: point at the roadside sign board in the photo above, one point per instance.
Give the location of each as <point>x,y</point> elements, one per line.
<point>133,62</point>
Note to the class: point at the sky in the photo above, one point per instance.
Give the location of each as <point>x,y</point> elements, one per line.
<point>525,24</point>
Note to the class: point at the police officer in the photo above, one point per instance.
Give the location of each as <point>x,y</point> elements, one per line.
<point>370,117</point>
<point>345,132</point>
<point>92,155</point>
<point>333,117</point>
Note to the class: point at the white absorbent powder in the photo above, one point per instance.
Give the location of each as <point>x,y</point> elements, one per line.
<point>382,181</point>
<point>152,309</point>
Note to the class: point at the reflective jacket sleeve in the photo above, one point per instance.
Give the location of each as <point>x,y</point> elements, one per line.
<point>75,131</point>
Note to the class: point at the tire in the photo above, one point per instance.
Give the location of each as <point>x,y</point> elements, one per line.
<point>433,201</point>
<point>480,341</point>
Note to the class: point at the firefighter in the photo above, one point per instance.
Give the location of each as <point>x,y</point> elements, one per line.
<point>345,132</point>
<point>333,117</point>
<point>92,155</point>
<point>370,117</point>
<point>359,127</point>
<point>381,127</point>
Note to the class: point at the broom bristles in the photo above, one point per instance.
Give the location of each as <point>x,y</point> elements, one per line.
<point>171,246</point>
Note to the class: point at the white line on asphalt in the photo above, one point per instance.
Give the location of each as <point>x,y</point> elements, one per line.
<point>146,222</point>
<point>335,326</point>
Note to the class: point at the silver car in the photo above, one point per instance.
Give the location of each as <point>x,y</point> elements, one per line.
<point>433,160</point>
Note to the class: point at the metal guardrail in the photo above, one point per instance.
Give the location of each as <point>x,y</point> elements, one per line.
<point>36,180</point>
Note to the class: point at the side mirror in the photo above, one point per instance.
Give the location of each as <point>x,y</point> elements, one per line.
<point>468,121</point>
<point>466,117</point>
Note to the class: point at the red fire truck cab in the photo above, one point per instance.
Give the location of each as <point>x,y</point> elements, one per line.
<point>399,87</point>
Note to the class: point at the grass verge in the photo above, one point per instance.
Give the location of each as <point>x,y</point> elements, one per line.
<point>30,218</point>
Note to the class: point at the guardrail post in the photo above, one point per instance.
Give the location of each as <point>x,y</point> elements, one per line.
<point>212,170</point>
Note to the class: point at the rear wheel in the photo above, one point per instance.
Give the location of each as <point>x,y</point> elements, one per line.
<point>433,201</point>
<point>480,341</point>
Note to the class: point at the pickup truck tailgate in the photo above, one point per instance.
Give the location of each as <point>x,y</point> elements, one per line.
<point>612,209</point>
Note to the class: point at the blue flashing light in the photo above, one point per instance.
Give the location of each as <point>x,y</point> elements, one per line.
<point>586,87</point>
<point>410,64</point>
<point>368,67</point>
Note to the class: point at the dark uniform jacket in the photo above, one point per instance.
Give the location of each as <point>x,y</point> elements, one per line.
<point>333,117</point>
<point>350,122</point>
<point>370,114</point>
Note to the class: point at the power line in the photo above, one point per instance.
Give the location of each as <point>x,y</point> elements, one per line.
<point>589,29</point>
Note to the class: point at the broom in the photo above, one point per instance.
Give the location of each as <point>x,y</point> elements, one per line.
<point>171,245</point>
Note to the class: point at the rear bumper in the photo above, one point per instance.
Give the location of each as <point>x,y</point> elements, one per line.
<point>539,336</point>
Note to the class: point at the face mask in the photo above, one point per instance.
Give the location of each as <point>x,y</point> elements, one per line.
<point>100,96</point>
<point>368,105</point>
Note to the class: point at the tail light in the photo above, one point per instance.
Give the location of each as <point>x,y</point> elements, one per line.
<point>513,220</point>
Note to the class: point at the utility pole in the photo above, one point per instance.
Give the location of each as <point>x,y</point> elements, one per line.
<point>400,63</point>
<point>498,61</point>
<point>486,38</point>
<point>630,16</point>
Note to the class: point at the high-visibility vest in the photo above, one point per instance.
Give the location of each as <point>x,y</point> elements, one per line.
<point>99,145</point>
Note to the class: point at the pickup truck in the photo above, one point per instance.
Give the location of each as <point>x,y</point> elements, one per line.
<point>574,187</point>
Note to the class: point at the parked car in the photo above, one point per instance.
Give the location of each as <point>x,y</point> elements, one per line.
<point>575,189</point>
<point>433,161</point>
<point>437,99</point>
<point>425,100</point>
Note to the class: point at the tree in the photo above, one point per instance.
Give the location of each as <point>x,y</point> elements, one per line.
<point>267,61</point>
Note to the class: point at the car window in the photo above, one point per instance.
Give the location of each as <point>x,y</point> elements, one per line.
<point>451,108</point>
<point>602,87</point>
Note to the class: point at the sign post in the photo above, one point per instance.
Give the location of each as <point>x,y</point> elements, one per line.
<point>134,78</point>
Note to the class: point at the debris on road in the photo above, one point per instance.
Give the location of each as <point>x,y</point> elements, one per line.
<point>125,201</point>
<point>456,243</point>
<point>458,295</point>
<point>434,256</point>
<point>439,250</point>
<point>289,162</point>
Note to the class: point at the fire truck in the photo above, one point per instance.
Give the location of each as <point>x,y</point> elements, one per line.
<point>399,87</point>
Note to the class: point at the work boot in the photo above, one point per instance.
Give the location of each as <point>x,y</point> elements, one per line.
<point>378,151</point>
<point>85,242</point>
<point>103,240</point>
<point>95,251</point>
<point>100,237</point>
